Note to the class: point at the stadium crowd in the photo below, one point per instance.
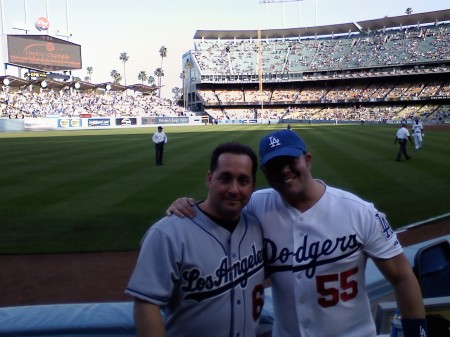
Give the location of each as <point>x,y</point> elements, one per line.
<point>296,55</point>
<point>387,92</point>
<point>317,60</point>
<point>67,103</point>
<point>368,65</point>
<point>64,103</point>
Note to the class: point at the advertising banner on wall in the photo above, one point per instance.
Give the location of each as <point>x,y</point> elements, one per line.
<point>165,120</point>
<point>40,123</point>
<point>99,122</point>
<point>126,121</point>
<point>69,123</point>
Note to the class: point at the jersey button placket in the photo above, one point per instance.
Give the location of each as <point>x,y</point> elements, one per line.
<point>298,241</point>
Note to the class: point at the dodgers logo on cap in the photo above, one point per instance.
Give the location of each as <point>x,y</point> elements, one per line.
<point>280,143</point>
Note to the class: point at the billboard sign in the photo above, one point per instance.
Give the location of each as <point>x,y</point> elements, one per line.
<point>43,52</point>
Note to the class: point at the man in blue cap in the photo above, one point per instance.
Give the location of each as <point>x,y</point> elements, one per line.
<point>317,241</point>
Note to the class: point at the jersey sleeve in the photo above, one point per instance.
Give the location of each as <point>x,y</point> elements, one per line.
<point>156,270</point>
<point>381,240</point>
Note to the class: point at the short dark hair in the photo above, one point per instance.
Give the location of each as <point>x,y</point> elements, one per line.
<point>234,148</point>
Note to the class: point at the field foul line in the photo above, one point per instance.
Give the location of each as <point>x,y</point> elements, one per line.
<point>423,222</point>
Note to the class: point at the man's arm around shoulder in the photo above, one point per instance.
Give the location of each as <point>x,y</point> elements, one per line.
<point>148,319</point>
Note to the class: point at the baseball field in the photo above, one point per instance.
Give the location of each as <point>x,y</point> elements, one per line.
<point>99,190</point>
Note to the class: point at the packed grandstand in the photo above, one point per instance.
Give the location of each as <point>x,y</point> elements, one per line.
<point>378,71</point>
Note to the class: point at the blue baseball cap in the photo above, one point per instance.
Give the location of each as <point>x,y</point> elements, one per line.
<point>280,143</point>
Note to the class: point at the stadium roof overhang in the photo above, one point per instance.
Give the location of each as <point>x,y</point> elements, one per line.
<point>82,85</point>
<point>142,88</point>
<point>49,84</point>
<point>407,20</point>
<point>112,86</point>
<point>13,81</point>
<point>386,22</point>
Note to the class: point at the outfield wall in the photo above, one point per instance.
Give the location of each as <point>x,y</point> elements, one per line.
<point>86,123</point>
<point>89,123</point>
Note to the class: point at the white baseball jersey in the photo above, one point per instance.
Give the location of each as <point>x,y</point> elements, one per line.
<point>317,261</point>
<point>207,280</point>
<point>417,127</point>
<point>417,130</point>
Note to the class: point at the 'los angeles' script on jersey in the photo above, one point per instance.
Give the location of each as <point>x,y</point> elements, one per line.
<point>199,287</point>
<point>310,254</point>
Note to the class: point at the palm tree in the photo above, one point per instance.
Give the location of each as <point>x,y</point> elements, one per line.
<point>124,58</point>
<point>151,80</point>
<point>142,76</point>
<point>159,73</point>
<point>163,54</point>
<point>116,76</point>
<point>177,93</point>
<point>89,70</point>
<point>408,11</point>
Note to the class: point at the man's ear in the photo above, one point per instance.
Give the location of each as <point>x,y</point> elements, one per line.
<point>308,160</point>
<point>208,178</point>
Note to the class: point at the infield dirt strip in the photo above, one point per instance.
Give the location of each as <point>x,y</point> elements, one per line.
<point>102,277</point>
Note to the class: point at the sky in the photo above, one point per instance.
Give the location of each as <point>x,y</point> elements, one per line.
<point>107,28</point>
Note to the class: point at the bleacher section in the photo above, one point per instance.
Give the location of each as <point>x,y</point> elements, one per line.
<point>396,65</point>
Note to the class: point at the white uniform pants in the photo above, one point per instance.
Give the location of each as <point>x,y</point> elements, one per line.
<point>418,140</point>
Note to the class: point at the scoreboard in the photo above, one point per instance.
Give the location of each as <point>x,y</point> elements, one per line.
<point>43,52</point>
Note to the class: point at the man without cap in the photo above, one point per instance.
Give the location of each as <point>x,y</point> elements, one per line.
<point>206,274</point>
<point>317,241</point>
<point>159,138</point>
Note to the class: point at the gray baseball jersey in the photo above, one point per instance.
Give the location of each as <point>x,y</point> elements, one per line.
<point>207,280</point>
<point>317,261</point>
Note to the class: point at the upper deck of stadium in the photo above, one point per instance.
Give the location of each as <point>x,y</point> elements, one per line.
<point>328,30</point>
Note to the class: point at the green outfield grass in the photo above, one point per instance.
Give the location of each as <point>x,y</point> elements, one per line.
<point>99,190</point>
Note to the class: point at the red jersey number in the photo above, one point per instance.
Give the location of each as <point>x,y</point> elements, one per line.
<point>258,300</point>
<point>336,287</point>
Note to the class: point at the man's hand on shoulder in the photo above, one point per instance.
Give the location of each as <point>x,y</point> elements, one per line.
<point>182,207</point>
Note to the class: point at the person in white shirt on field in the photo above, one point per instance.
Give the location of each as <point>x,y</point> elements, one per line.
<point>402,136</point>
<point>160,139</point>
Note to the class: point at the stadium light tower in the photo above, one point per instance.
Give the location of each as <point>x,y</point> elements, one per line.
<point>282,2</point>
<point>2,9</point>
